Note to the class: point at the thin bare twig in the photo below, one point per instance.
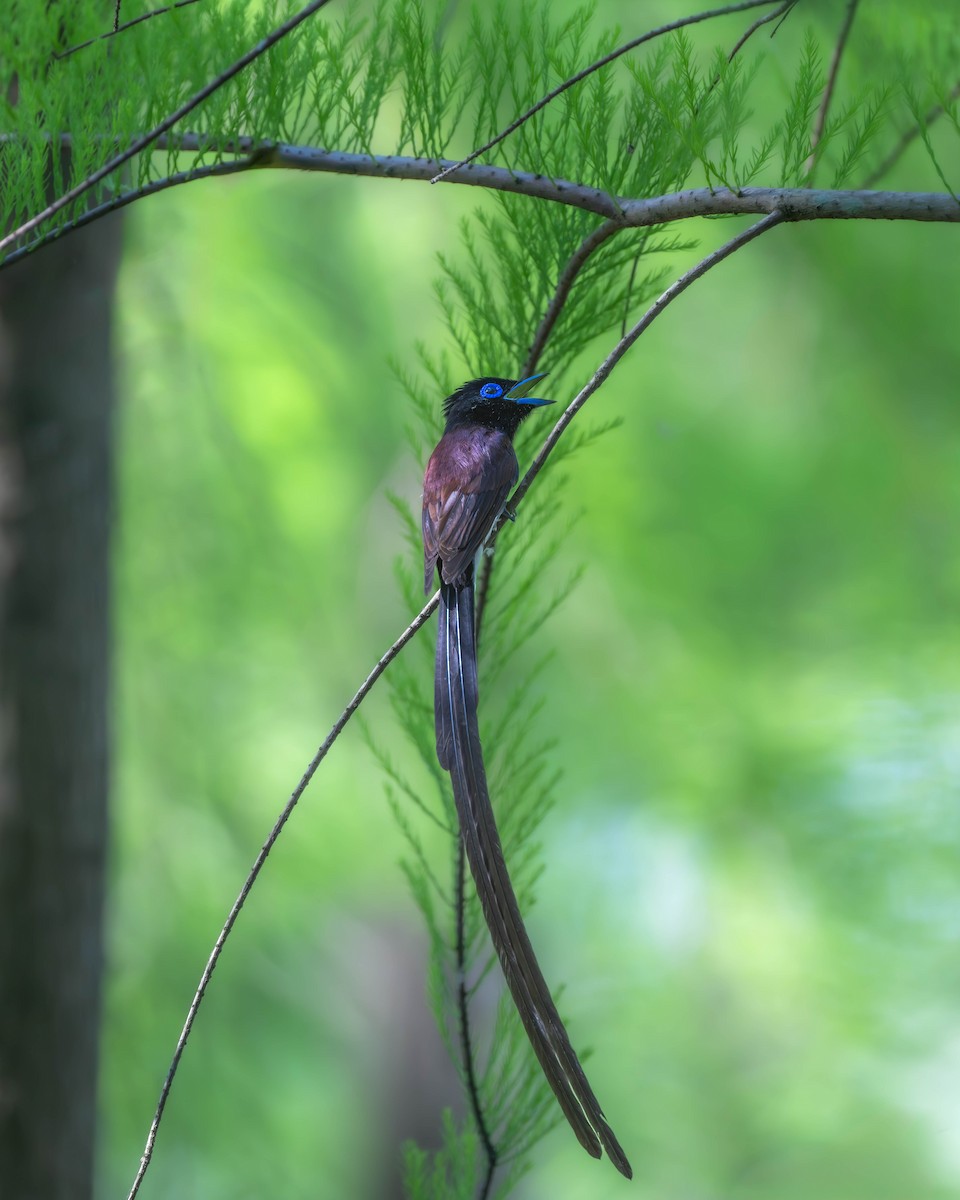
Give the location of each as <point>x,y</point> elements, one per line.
<point>671,27</point>
<point>118,28</point>
<point>575,264</point>
<point>483,588</point>
<point>821,121</point>
<point>627,297</point>
<point>782,11</point>
<point>910,136</point>
<point>623,345</point>
<point>385,660</point>
<point>146,139</point>
<point>114,204</point>
<point>758,24</point>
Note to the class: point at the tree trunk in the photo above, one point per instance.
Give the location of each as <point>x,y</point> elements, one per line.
<point>56,401</point>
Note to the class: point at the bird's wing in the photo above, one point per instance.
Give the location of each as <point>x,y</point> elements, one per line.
<point>463,494</point>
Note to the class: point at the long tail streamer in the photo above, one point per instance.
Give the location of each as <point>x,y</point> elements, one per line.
<point>459,752</point>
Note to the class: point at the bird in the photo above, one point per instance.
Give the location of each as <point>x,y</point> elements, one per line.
<point>468,479</point>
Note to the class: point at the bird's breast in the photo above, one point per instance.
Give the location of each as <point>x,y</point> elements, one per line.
<point>477,450</point>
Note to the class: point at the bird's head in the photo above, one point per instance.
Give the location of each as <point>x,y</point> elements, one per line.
<point>493,402</point>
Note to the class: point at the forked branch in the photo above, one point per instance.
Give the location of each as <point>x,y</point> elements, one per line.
<point>795,204</point>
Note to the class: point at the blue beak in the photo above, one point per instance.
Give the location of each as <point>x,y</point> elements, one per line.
<point>519,391</point>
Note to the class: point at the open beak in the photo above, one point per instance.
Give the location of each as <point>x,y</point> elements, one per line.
<point>520,391</point>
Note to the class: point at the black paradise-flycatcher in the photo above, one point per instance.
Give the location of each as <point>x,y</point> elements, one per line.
<point>468,478</point>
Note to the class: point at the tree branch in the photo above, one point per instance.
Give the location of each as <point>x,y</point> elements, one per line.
<point>671,27</point>
<point>795,204</point>
<point>168,122</point>
<point>418,622</point>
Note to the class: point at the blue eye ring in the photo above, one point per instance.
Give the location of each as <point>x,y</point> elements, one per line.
<point>491,391</point>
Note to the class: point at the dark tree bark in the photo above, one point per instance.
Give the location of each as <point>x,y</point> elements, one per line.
<point>56,401</point>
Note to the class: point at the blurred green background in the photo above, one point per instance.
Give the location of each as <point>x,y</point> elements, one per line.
<point>751,884</point>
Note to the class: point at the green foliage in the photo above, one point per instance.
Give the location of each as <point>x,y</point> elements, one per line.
<point>799,114</point>
<point>433,98</point>
<point>751,859</point>
<point>397,77</point>
<point>919,113</point>
<point>342,105</point>
<point>450,1174</point>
